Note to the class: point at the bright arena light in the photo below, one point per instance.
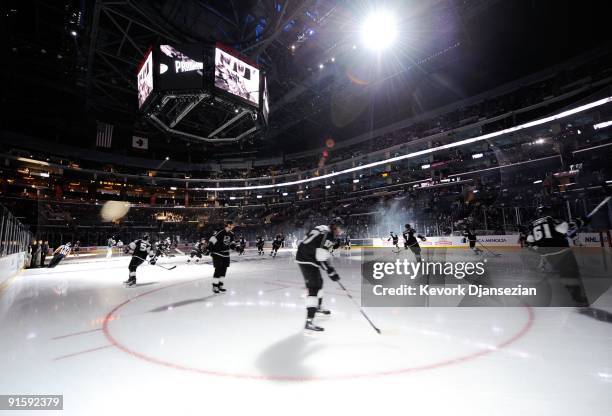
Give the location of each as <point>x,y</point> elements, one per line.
<point>379,30</point>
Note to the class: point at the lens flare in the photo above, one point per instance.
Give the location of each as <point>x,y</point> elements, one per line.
<point>379,30</point>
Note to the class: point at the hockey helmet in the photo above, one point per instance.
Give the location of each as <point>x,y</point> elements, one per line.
<point>544,209</point>
<point>337,221</point>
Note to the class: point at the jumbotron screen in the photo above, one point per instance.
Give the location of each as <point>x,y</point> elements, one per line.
<point>265,107</point>
<point>145,79</point>
<point>181,67</point>
<point>236,77</point>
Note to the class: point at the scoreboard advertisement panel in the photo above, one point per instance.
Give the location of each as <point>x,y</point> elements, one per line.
<point>145,79</point>
<point>236,77</point>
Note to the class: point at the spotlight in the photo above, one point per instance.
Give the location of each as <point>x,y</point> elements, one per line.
<point>321,66</point>
<point>235,110</point>
<point>333,59</point>
<point>379,30</point>
<point>292,47</point>
<point>73,33</point>
<point>167,157</point>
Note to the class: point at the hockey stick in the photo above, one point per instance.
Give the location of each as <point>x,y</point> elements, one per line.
<point>598,207</point>
<point>360,309</point>
<point>489,250</point>
<point>158,265</point>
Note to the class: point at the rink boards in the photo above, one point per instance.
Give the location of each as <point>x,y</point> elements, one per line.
<point>508,240</point>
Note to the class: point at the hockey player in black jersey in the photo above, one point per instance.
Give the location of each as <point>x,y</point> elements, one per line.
<point>312,256</point>
<point>470,235</point>
<point>140,250</point>
<point>523,233</point>
<point>411,242</point>
<point>260,245</point>
<point>276,244</point>
<point>395,239</point>
<point>548,236</point>
<point>241,245</point>
<point>162,247</point>
<point>199,248</point>
<point>219,246</point>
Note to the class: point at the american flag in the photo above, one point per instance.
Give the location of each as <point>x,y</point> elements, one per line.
<point>104,136</point>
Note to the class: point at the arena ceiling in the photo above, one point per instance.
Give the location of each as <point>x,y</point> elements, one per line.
<point>73,62</point>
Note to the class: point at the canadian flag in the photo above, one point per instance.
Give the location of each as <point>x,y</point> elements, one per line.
<point>140,142</point>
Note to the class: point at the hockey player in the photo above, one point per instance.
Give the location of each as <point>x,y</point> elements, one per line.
<point>162,248</point>
<point>76,249</point>
<point>411,242</point>
<point>312,256</point>
<point>276,244</point>
<point>219,246</point>
<point>523,233</point>
<point>548,236</point>
<point>395,238</point>
<point>199,248</point>
<point>294,242</point>
<point>347,242</point>
<point>110,243</point>
<point>260,245</point>
<point>59,254</point>
<point>470,235</point>
<point>120,247</point>
<point>140,250</point>
<point>241,245</point>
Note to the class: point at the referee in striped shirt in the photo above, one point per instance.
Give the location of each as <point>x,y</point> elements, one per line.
<point>61,252</point>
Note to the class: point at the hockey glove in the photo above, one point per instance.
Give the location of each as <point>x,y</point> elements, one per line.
<point>333,275</point>
<point>423,238</point>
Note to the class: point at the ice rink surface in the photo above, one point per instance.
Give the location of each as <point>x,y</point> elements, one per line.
<point>169,346</point>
